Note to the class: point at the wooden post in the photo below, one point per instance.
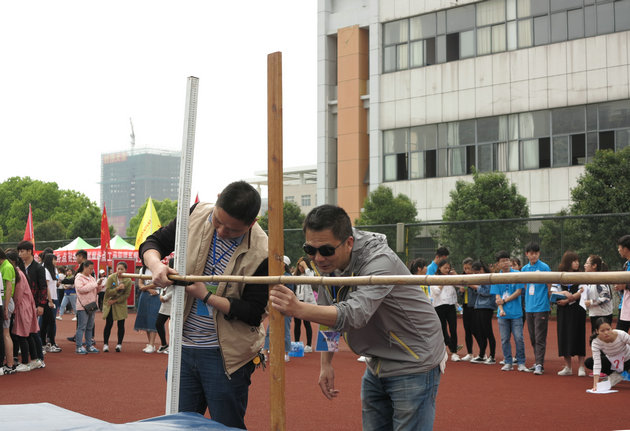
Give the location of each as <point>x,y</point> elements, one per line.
<point>276,235</point>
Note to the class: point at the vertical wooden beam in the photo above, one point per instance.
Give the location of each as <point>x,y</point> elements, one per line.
<point>276,235</point>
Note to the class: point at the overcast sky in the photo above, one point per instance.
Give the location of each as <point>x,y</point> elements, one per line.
<point>74,72</point>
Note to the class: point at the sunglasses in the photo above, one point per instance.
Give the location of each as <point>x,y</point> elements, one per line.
<point>324,250</point>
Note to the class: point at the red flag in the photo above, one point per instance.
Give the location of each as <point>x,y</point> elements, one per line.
<point>28,232</point>
<point>104,231</point>
<point>197,198</point>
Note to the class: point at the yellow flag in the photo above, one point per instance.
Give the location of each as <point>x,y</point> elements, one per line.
<point>149,224</point>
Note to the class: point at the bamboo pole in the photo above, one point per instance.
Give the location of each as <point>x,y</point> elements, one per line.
<point>611,277</point>
<point>276,236</point>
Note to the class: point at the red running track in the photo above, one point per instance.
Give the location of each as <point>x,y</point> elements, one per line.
<point>128,386</point>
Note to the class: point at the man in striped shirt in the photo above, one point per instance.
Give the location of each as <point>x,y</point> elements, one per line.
<point>222,331</point>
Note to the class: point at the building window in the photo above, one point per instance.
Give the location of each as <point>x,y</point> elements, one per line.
<point>290,199</point>
<point>306,200</point>
<point>395,154</point>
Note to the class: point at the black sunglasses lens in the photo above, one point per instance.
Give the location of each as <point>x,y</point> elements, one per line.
<point>309,249</point>
<point>324,250</point>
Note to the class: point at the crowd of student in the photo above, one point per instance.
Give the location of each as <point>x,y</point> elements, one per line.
<point>518,304</point>
<point>36,293</point>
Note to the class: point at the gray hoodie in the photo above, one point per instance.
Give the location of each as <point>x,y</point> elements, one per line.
<point>394,326</point>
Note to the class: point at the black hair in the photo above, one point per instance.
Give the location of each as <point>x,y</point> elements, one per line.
<point>599,322</point>
<point>440,264</point>
<point>478,265</point>
<point>14,259</point>
<point>241,201</point>
<point>329,217</point>
<point>417,264</point>
<point>49,265</point>
<point>516,260</point>
<point>304,259</point>
<point>442,251</point>
<point>624,241</point>
<point>84,264</point>
<point>532,246</point>
<point>502,254</point>
<point>598,261</point>
<point>467,261</point>
<point>82,253</point>
<point>25,245</point>
<point>567,260</point>
<point>123,263</point>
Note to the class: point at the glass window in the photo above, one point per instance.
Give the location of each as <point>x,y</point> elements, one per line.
<point>431,163</point>
<point>467,44</point>
<point>561,151</point>
<point>416,53</point>
<point>591,146</point>
<point>614,115</point>
<point>524,33</point>
<point>484,159</point>
<point>402,54</point>
<point>395,32</point>
<point>559,26</point>
<point>422,27</point>
<point>423,138</point>
<point>590,21</point>
<point>534,124</point>
<point>395,167</point>
<point>513,156</point>
<point>470,158</point>
<point>442,136</point>
<point>290,198</point>
<point>622,139</point>
<point>578,149</point>
<point>457,160</point>
<point>557,5</point>
<point>511,36</point>
<point>484,41</point>
<point>501,156</point>
<point>442,163</point>
<point>576,23</point>
<point>622,15</point>
<point>488,129</point>
<point>429,47</point>
<point>395,141</point>
<point>490,12</point>
<point>416,168</point>
<point>541,30</point>
<point>389,59</point>
<point>498,38</point>
<point>567,120</point>
<point>605,18</point>
<point>452,47</point>
<point>523,8</point>
<point>530,154</point>
<point>441,49</point>
<point>607,140</point>
<point>539,7</point>
<point>461,18</point>
<point>306,200</point>
<point>510,9</point>
<point>441,22</point>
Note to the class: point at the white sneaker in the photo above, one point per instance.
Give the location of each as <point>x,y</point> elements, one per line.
<point>22,368</point>
<point>286,357</point>
<point>581,372</point>
<point>523,368</point>
<point>59,318</point>
<point>468,357</point>
<point>361,359</point>
<point>74,318</point>
<point>507,367</point>
<point>105,348</point>
<point>149,349</point>
<point>566,371</point>
<point>308,349</point>
<point>615,378</point>
<point>455,357</point>
<point>118,347</point>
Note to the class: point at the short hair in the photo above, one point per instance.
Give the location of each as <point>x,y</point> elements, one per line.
<point>241,201</point>
<point>532,246</point>
<point>81,253</point>
<point>416,264</point>
<point>329,217</point>
<point>478,265</point>
<point>467,261</point>
<point>25,245</point>
<point>502,254</point>
<point>440,264</point>
<point>123,263</point>
<point>624,241</point>
<point>516,260</point>
<point>442,251</point>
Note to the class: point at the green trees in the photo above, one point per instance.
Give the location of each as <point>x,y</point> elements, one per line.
<point>293,219</point>
<point>489,197</point>
<point>604,188</point>
<point>166,211</point>
<point>57,214</point>
<point>381,207</point>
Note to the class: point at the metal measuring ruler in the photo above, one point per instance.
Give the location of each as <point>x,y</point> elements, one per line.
<point>181,242</point>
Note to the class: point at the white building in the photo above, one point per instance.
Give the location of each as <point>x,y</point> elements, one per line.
<point>412,93</point>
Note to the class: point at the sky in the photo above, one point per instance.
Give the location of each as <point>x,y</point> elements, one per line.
<point>75,72</point>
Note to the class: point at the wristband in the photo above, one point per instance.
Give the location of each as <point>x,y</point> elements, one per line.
<point>205,300</point>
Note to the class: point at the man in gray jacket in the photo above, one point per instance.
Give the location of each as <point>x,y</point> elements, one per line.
<point>394,326</point>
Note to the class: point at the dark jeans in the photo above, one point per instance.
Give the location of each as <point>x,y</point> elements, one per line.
<point>448,316</point>
<point>469,327</point>
<point>606,366</point>
<point>537,324</point>
<point>48,328</point>
<point>35,346</point>
<point>205,384</point>
<point>623,325</point>
<point>159,327</point>
<point>484,329</point>
<point>109,322</point>
<point>297,326</point>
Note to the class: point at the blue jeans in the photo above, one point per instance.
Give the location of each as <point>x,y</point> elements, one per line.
<point>508,327</point>
<point>85,326</point>
<point>69,298</point>
<point>287,335</point>
<point>399,403</point>
<point>205,384</point>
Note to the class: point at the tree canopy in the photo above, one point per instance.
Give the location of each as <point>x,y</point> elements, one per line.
<point>292,218</point>
<point>489,197</point>
<point>166,211</point>
<point>57,214</point>
<point>381,207</point>
<point>603,188</point>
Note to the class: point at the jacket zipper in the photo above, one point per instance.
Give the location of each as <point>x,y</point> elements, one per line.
<point>405,346</point>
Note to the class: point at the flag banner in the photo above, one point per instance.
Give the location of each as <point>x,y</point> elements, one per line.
<point>28,232</point>
<point>105,238</point>
<point>149,224</point>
